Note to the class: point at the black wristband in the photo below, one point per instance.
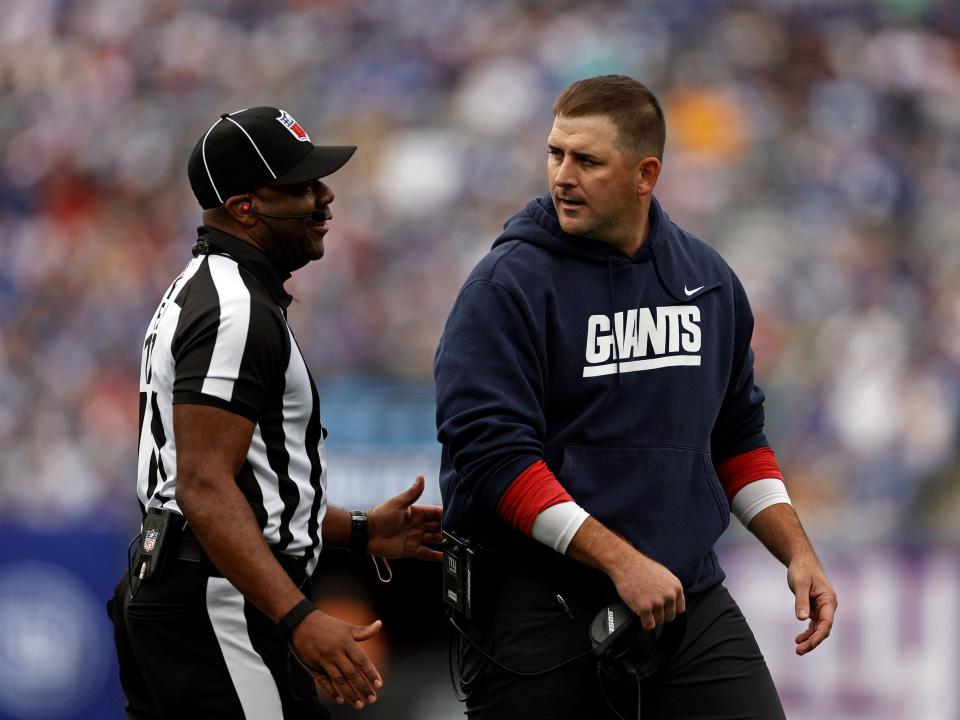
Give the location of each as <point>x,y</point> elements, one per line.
<point>293,618</point>
<point>359,532</point>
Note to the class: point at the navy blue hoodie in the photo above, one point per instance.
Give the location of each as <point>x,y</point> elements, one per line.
<point>631,377</point>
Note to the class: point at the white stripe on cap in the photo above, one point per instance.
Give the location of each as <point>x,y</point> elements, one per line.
<point>203,153</point>
<point>256,689</point>
<point>252,143</point>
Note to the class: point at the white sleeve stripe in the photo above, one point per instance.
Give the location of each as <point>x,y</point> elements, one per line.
<point>756,496</point>
<point>556,526</point>
<point>231,332</point>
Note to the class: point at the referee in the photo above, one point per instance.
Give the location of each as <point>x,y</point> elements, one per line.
<point>214,618</point>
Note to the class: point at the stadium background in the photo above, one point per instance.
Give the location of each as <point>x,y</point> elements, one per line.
<point>816,144</point>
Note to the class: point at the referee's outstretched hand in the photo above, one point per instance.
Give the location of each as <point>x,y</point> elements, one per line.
<point>327,647</point>
<point>400,529</point>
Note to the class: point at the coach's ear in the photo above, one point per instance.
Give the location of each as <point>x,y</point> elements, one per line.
<point>240,208</point>
<point>647,174</point>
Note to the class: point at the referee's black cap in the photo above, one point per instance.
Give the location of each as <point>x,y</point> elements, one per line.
<point>248,149</point>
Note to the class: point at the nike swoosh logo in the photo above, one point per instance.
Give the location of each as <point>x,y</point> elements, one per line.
<point>691,292</point>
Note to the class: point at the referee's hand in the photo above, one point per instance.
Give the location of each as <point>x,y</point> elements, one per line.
<point>327,647</point>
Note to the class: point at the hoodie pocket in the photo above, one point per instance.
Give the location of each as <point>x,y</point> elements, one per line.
<point>666,501</point>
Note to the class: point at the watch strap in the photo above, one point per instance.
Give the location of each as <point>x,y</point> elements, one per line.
<point>359,532</point>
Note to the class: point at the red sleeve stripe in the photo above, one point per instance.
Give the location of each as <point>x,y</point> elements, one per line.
<point>741,470</point>
<point>534,490</point>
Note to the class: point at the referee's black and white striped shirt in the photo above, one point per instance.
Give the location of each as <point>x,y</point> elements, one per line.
<point>220,337</point>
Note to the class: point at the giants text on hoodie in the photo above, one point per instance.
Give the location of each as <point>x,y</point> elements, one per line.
<point>633,335</point>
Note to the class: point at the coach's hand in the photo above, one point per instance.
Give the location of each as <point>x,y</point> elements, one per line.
<point>815,601</point>
<point>400,529</point>
<point>648,588</point>
<point>327,647</point>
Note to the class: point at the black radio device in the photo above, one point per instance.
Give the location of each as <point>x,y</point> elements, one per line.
<point>624,649</point>
<point>467,575</point>
<point>159,527</point>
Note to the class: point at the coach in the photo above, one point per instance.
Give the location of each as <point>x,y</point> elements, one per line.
<point>599,419</point>
<point>214,619</point>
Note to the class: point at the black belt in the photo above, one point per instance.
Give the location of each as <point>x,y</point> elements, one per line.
<point>516,554</point>
<point>191,550</point>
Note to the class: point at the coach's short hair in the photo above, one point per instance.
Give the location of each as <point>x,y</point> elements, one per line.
<point>630,104</point>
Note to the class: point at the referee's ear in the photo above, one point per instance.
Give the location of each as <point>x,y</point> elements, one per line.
<point>238,207</point>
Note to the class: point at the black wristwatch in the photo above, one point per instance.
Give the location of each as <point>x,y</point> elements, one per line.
<point>359,531</point>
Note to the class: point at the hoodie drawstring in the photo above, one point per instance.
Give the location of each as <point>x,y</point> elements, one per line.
<point>613,310</point>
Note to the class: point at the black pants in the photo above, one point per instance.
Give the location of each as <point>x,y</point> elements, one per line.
<point>717,673</point>
<point>191,646</point>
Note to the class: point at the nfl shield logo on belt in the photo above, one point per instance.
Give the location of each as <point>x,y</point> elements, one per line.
<point>149,540</point>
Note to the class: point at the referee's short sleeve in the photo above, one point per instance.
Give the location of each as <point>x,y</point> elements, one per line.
<point>230,346</point>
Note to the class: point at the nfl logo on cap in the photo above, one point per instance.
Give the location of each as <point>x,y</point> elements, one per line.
<point>293,126</point>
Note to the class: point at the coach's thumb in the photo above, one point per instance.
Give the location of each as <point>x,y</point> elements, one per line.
<point>361,633</point>
<point>803,601</point>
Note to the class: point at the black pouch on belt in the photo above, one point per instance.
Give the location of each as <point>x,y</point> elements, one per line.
<point>469,576</point>
<point>161,530</point>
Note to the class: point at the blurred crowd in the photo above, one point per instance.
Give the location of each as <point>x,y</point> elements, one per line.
<point>816,144</point>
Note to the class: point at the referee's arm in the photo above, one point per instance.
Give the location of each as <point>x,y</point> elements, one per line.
<point>212,445</point>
